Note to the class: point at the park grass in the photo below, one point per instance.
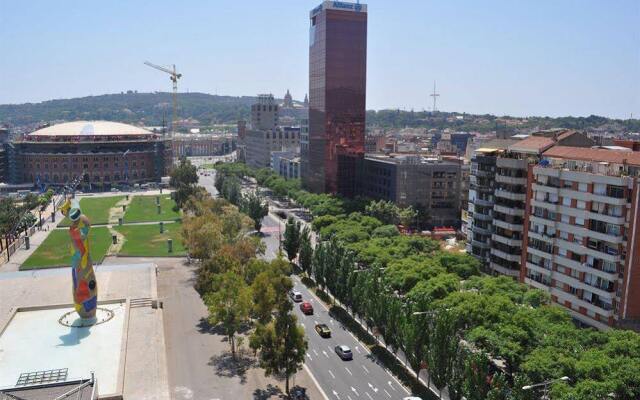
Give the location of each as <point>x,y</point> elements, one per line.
<point>96,208</point>
<point>147,241</point>
<point>55,251</point>
<point>143,209</point>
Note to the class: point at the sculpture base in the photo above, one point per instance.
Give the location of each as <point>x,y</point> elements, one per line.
<point>72,320</point>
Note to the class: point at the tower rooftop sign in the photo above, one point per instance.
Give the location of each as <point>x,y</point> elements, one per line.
<point>339,5</point>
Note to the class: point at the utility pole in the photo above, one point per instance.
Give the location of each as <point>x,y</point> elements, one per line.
<point>435,96</point>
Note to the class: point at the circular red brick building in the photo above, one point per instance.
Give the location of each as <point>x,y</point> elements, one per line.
<point>104,154</point>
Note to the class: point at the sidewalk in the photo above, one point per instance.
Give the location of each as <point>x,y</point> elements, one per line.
<point>20,256</point>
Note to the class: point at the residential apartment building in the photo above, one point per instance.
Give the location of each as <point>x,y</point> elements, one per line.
<point>482,184</point>
<point>430,184</point>
<point>581,243</point>
<point>497,195</point>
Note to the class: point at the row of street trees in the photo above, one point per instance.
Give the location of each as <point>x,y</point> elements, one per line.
<point>246,296</point>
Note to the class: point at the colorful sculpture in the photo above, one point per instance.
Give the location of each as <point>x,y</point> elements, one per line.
<point>85,286</point>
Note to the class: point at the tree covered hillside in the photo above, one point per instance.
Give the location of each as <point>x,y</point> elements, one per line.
<point>147,108</point>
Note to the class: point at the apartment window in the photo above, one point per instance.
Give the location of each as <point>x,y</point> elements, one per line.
<point>579,221</point>
<point>566,201</point>
<point>577,239</point>
<point>581,204</point>
<point>564,235</point>
<point>600,189</point>
<point>562,252</point>
<point>608,266</point>
<point>565,218</point>
<point>575,273</point>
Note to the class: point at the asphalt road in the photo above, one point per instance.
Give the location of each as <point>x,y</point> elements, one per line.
<point>360,378</point>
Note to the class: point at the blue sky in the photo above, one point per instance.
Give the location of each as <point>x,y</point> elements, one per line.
<point>542,57</point>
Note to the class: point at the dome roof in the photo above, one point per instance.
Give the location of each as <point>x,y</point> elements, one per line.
<point>91,128</point>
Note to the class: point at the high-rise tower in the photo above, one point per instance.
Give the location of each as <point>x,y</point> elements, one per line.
<point>337,95</point>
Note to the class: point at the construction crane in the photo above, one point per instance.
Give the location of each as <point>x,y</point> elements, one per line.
<point>174,76</point>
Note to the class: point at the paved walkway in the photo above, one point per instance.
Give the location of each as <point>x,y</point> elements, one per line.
<point>199,363</point>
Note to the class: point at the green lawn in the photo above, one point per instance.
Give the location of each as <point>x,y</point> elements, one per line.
<point>147,241</point>
<point>96,208</point>
<point>143,209</point>
<point>55,250</point>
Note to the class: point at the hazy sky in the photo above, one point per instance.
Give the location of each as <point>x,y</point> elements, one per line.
<point>534,57</point>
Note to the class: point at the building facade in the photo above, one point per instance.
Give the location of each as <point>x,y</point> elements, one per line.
<point>337,94</point>
<point>104,154</point>
<point>200,145</point>
<point>583,238</point>
<point>259,144</point>
<point>431,185</point>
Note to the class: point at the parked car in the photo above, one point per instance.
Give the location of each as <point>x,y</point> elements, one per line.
<point>323,330</point>
<point>344,352</point>
<point>295,296</point>
<point>306,308</point>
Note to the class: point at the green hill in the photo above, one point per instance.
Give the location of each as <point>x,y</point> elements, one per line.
<point>130,107</point>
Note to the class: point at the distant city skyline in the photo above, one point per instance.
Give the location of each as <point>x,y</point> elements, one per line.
<point>522,59</point>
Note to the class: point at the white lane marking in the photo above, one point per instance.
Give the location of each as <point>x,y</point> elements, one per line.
<point>336,394</point>
<point>354,391</point>
<point>375,389</point>
<point>329,347</point>
<point>358,349</point>
<point>315,352</point>
<point>325,353</point>
<point>308,355</point>
<point>385,390</point>
<point>348,371</point>
<point>365,368</point>
<point>331,373</point>
<point>313,378</point>
<point>391,386</point>
<point>368,395</point>
<point>349,397</point>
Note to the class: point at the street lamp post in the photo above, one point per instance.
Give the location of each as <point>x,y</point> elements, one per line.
<point>545,386</point>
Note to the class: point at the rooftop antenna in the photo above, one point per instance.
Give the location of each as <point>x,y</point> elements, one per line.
<point>435,96</point>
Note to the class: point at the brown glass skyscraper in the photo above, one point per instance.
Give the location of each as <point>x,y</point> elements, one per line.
<point>337,94</point>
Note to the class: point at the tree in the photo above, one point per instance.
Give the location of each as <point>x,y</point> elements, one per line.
<point>443,343</point>
<point>184,179</point>
<point>385,211</point>
<point>254,206</point>
<point>229,305</point>
<point>407,216</point>
<point>306,250</point>
<point>282,344</point>
<point>291,242</point>
<point>415,338</point>
<point>9,215</point>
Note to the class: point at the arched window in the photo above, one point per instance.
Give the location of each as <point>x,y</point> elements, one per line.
<point>55,178</point>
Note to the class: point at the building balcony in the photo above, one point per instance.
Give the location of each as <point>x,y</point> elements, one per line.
<point>504,270</point>
<point>511,180</point>
<point>506,256</point>
<point>538,268</point>
<point>510,195</point>
<point>507,225</point>
<point>482,217</point>
<point>538,283</point>
<point>482,245</point>
<point>480,202</point>
<point>505,240</point>
<point>509,210</point>
<point>482,231</point>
